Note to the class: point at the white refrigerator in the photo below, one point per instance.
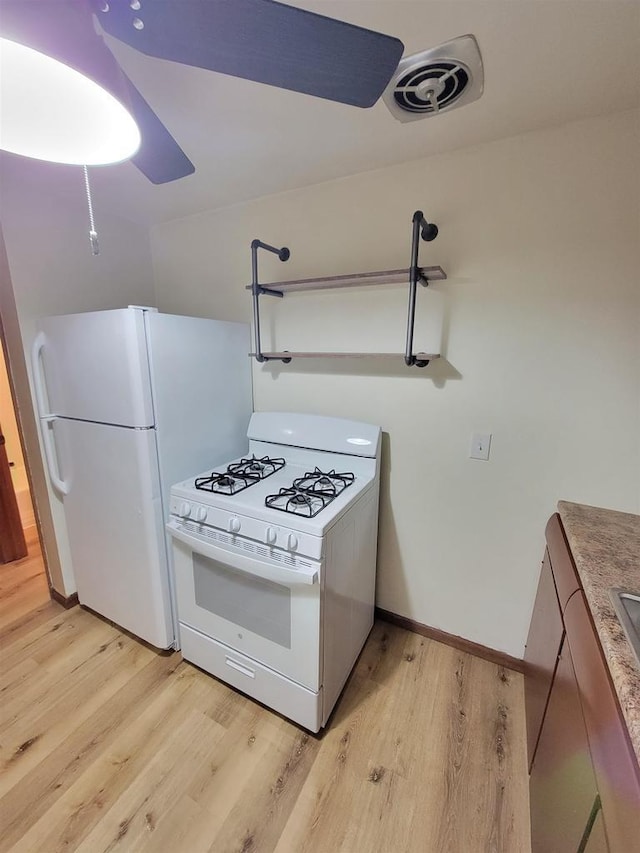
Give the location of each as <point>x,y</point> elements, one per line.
<point>131,401</point>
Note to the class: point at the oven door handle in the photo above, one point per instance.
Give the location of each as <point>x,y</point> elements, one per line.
<point>241,563</point>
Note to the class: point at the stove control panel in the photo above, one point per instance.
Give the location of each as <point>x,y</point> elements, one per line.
<point>245,527</point>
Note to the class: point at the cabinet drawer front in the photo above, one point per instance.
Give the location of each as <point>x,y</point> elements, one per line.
<point>615,766</point>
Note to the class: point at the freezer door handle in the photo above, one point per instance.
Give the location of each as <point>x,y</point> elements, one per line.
<point>46,419</point>
<point>241,563</point>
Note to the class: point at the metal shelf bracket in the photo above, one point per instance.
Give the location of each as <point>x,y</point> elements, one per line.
<point>428,231</point>
<point>258,290</point>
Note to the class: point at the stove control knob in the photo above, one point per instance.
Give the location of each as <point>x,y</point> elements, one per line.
<point>201,514</point>
<point>292,541</point>
<point>185,510</point>
<point>271,535</point>
<point>234,525</point>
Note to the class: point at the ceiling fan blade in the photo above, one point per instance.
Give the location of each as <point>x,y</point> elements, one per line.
<point>260,40</point>
<point>65,30</point>
<point>159,157</point>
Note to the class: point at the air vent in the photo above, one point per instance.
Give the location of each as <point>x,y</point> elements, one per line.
<point>436,80</point>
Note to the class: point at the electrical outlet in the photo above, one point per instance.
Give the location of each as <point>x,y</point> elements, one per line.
<point>480,445</point>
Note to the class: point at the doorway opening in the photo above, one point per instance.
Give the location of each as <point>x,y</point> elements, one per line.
<point>23,580</point>
<point>9,428</point>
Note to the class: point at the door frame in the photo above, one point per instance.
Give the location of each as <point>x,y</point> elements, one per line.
<point>12,345</point>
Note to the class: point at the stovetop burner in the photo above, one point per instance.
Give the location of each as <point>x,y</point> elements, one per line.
<point>261,467</point>
<point>319,482</point>
<point>298,503</point>
<point>311,493</point>
<point>239,475</point>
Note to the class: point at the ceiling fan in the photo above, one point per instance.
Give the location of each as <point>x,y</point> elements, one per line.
<point>261,40</point>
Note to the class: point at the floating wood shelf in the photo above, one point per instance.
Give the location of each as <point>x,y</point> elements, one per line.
<point>363,279</point>
<point>281,356</point>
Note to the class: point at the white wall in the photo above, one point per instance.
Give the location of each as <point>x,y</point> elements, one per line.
<point>540,337</point>
<point>52,271</point>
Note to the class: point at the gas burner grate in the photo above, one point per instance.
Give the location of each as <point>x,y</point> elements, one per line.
<point>326,483</point>
<point>261,467</point>
<point>309,494</point>
<point>298,503</point>
<point>225,483</point>
<point>239,475</point>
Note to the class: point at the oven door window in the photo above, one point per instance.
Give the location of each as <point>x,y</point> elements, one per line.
<point>255,604</point>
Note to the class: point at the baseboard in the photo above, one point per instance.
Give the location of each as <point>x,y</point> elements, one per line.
<point>484,652</point>
<point>67,602</point>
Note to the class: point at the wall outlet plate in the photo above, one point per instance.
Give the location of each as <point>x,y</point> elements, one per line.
<point>480,446</point>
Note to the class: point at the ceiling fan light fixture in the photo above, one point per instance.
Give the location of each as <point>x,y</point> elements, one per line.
<point>49,111</point>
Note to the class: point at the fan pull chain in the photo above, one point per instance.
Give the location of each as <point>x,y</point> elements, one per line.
<point>93,234</point>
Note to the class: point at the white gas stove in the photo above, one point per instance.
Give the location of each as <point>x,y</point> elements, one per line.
<point>274,559</point>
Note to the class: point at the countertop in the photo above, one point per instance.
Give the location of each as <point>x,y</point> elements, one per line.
<point>606,550</point>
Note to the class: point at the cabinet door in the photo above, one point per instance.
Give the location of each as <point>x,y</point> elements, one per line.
<point>597,840</point>
<point>541,654</point>
<point>564,570</point>
<point>562,785</point>
<point>614,762</point>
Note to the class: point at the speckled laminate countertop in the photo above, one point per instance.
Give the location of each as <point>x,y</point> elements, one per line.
<point>606,550</point>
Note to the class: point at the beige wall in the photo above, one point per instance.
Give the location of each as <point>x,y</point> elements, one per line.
<point>51,271</point>
<point>539,327</point>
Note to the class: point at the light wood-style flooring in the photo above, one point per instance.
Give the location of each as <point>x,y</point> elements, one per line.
<point>23,584</point>
<point>106,745</point>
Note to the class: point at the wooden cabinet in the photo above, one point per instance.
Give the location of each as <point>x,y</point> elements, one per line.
<point>614,763</point>
<point>596,840</point>
<point>562,786</point>
<point>558,582</point>
<point>579,749</point>
<point>564,570</point>
<point>542,652</point>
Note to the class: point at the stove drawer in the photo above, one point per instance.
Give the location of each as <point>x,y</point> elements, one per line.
<point>288,698</point>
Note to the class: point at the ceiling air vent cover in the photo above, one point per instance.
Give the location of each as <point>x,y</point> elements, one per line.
<point>432,81</point>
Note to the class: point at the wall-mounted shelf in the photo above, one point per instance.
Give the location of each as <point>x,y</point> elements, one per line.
<point>361,279</point>
<point>413,274</point>
<point>286,356</point>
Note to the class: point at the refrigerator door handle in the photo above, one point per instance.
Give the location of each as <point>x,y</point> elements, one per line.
<point>45,418</point>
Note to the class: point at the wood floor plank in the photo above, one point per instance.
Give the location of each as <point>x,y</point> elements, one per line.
<point>132,821</point>
<point>64,642</point>
<point>23,626</point>
<point>54,627</point>
<point>111,757</point>
<point>23,584</point>
<point>139,751</point>
<point>30,735</point>
<point>41,788</point>
<point>81,660</point>
<point>273,789</point>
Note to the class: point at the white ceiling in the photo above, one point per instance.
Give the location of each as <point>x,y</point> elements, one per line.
<point>546,62</point>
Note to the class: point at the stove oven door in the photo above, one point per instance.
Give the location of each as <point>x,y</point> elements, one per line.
<point>251,603</point>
